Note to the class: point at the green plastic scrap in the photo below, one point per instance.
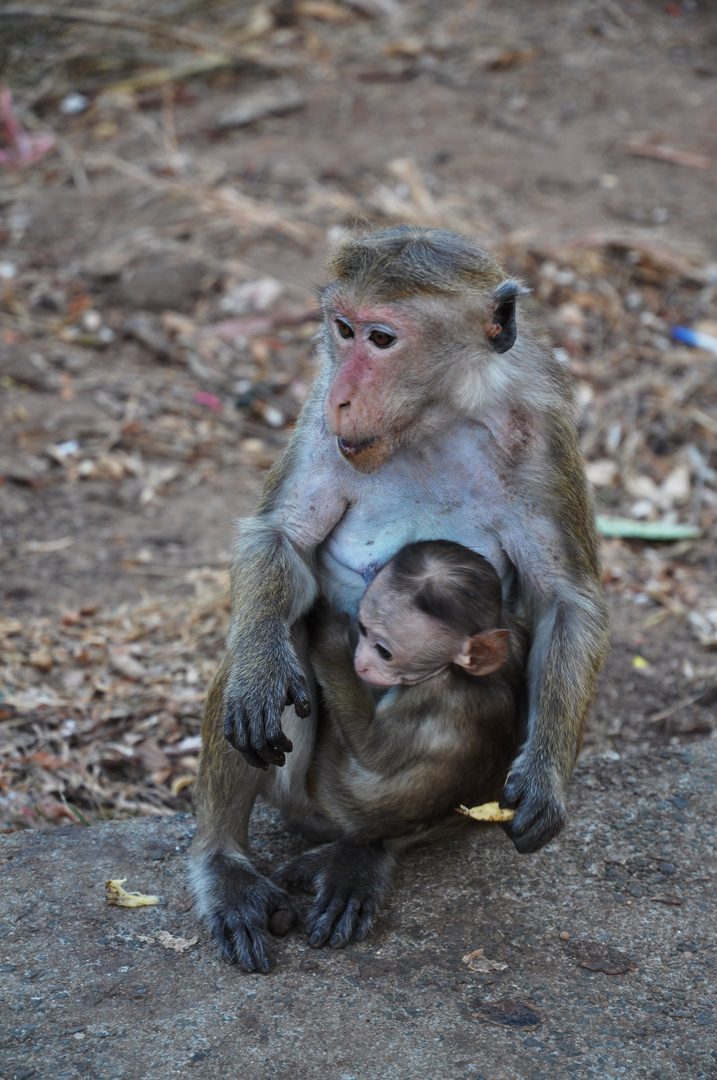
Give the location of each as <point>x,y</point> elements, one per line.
<point>626,528</point>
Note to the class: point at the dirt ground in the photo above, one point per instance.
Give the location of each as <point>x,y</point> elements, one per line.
<point>158,261</point>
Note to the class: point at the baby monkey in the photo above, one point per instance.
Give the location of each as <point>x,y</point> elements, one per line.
<point>433,612</point>
<point>433,721</point>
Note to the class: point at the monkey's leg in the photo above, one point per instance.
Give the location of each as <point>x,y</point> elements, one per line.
<point>240,905</point>
<point>350,882</point>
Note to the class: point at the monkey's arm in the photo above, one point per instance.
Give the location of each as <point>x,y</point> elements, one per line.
<point>559,576</point>
<point>347,698</point>
<point>273,586</point>
<point>569,646</point>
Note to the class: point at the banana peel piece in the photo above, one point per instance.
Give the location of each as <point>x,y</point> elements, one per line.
<point>489,811</point>
<point>115,894</point>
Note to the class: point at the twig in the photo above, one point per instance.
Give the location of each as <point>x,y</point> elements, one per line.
<point>676,708</point>
<point>246,212</point>
<point>155,571</point>
<point>704,419</point>
<point>668,261</point>
<point>74,165</point>
<point>123,21</point>
<point>670,154</point>
<point>149,80</point>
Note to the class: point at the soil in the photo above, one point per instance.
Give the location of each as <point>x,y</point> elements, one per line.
<point>145,392</point>
<point>592,959</point>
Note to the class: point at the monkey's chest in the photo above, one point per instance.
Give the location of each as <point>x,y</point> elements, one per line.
<point>449,490</point>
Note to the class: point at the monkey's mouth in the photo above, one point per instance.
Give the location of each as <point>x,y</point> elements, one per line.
<point>351,450</point>
<point>366,456</point>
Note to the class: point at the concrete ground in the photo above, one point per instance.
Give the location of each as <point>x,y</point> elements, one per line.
<point>605,941</point>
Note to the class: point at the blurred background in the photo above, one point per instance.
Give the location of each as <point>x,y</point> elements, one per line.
<point>171,178</point>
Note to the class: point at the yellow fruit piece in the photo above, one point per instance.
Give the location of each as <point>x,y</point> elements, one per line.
<point>489,811</point>
<point>117,895</point>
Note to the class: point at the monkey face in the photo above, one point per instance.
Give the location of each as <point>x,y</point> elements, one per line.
<point>398,644</point>
<point>378,385</point>
<point>399,371</point>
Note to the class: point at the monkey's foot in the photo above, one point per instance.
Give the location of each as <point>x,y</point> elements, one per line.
<point>539,808</point>
<point>350,882</point>
<point>241,907</point>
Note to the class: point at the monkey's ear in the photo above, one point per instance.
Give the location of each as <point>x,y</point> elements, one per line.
<point>502,330</point>
<point>484,653</point>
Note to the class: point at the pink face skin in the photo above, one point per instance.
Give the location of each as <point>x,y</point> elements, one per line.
<point>377,387</point>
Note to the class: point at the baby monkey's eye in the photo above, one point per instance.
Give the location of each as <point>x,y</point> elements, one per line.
<point>383,652</point>
<point>381,339</point>
<point>362,629</point>
<point>344,329</point>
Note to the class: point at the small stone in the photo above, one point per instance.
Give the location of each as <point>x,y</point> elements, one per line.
<point>73,104</point>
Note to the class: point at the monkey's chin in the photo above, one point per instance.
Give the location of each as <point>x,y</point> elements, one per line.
<point>366,456</point>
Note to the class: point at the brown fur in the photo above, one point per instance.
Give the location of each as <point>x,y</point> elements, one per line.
<point>410,786</point>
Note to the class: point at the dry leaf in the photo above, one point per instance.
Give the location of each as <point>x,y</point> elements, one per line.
<point>126,665</point>
<point>180,783</point>
<point>41,660</point>
<point>476,961</point>
<point>511,1014</point>
<point>321,9</point>
<point>608,960</point>
<point>179,944</point>
<point>489,811</point>
<point>117,895</point>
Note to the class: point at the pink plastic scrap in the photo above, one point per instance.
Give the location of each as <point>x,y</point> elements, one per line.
<point>18,147</point>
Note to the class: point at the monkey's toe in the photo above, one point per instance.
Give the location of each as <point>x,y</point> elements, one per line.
<point>282,920</point>
<point>241,944</point>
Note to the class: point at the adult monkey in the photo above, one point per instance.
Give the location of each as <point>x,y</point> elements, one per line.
<point>430,418</point>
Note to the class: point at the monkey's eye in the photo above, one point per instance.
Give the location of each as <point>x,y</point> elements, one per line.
<point>344,329</point>
<point>381,339</point>
<point>362,629</point>
<point>383,652</point>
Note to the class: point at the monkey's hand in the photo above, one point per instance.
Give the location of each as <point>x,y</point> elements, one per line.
<point>266,677</point>
<point>350,882</point>
<point>533,791</point>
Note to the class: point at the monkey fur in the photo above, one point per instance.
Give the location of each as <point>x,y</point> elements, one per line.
<point>431,417</point>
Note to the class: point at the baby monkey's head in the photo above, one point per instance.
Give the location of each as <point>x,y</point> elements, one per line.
<point>435,604</point>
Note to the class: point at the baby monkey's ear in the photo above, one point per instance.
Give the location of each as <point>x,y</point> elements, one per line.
<point>484,653</point>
